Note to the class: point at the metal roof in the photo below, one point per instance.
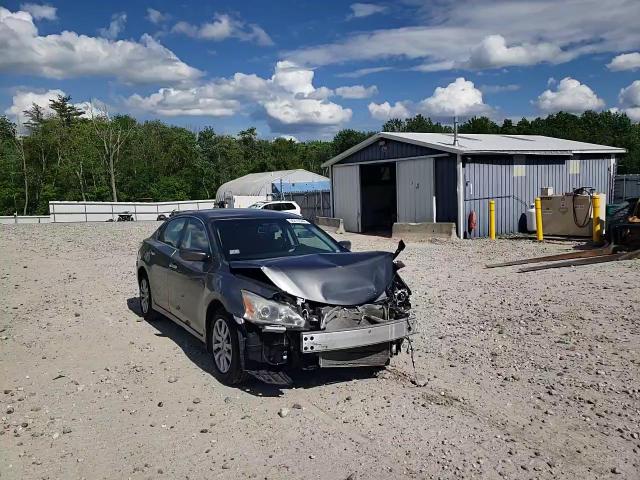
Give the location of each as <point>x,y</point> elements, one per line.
<point>476,143</point>
<point>260,184</point>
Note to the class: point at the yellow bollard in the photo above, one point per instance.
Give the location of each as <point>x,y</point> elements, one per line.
<point>539,220</point>
<point>492,219</point>
<point>597,225</point>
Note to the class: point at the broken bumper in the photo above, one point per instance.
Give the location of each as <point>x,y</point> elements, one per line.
<point>317,342</point>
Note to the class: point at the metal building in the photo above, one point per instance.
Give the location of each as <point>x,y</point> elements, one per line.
<point>433,177</point>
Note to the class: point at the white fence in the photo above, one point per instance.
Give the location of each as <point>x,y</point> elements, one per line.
<point>61,212</point>
<point>10,219</point>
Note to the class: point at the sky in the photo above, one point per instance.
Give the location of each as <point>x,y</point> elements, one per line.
<point>305,70</point>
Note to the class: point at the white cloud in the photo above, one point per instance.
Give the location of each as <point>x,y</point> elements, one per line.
<point>360,10</point>
<point>488,89</point>
<point>40,12</point>
<point>493,52</point>
<point>288,99</point>
<point>544,30</point>
<point>289,137</point>
<point>156,16</point>
<point>357,91</point>
<point>570,96</point>
<point>118,21</point>
<point>68,55</point>
<point>435,66</point>
<point>629,99</point>
<point>223,27</point>
<point>24,100</point>
<point>460,97</point>
<point>362,72</point>
<point>385,111</point>
<point>626,61</point>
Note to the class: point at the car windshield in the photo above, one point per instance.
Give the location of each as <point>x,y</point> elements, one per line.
<point>256,205</point>
<point>254,239</point>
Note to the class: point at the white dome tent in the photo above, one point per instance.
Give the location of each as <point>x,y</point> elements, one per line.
<point>254,187</point>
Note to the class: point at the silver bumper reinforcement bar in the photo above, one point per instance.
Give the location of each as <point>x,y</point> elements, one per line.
<point>314,342</point>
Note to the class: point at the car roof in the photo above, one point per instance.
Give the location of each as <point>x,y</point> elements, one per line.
<point>226,213</point>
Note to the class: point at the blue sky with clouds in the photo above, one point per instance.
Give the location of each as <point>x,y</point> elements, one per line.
<point>307,69</point>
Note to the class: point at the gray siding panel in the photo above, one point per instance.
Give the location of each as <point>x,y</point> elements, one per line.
<point>346,196</point>
<point>391,150</point>
<point>493,178</point>
<point>415,180</point>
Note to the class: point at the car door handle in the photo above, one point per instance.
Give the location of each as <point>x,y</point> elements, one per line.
<point>173,266</point>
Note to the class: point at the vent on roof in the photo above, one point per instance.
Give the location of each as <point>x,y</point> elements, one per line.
<point>455,131</point>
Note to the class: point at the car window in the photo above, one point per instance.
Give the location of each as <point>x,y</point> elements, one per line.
<point>270,206</point>
<point>308,241</point>
<point>288,206</point>
<point>171,233</point>
<point>247,239</point>
<point>195,236</point>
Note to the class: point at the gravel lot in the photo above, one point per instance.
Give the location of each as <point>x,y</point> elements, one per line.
<point>526,375</point>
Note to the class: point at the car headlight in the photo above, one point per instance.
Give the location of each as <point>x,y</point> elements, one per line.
<point>258,309</point>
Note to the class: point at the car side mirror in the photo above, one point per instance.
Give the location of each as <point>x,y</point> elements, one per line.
<point>191,255</point>
<point>345,244</point>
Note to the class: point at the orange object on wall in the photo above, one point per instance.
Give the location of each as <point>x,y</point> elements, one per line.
<point>472,222</point>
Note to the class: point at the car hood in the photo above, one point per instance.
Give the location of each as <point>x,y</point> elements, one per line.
<point>332,278</point>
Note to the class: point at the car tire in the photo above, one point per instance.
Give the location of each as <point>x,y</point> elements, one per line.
<point>225,349</point>
<point>145,298</point>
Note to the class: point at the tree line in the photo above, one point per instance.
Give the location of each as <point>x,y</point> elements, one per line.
<point>71,155</point>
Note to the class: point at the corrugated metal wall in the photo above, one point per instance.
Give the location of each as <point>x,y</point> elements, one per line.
<point>346,195</point>
<point>390,150</point>
<point>514,182</point>
<point>415,190</point>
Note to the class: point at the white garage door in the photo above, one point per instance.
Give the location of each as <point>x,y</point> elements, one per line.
<point>346,196</point>
<point>415,190</point>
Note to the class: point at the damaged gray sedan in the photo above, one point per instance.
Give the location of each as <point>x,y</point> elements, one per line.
<point>267,291</point>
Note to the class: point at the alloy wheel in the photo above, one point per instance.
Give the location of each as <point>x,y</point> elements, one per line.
<point>221,345</point>
<point>144,296</point>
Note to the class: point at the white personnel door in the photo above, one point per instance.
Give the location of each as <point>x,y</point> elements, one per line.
<point>346,196</point>
<point>415,190</point>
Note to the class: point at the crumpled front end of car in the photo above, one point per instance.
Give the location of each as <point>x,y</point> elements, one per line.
<point>311,322</point>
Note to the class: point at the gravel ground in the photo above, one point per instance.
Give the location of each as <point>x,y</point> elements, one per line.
<point>520,375</point>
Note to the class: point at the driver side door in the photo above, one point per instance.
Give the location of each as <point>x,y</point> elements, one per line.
<point>188,284</point>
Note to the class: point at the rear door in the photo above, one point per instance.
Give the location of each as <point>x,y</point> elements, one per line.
<point>346,196</point>
<point>187,280</point>
<point>160,260</point>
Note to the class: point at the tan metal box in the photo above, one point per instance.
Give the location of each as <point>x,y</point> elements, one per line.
<point>558,214</point>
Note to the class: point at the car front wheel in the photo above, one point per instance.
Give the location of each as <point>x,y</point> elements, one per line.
<point>225,349</point>
<point>146,300</point>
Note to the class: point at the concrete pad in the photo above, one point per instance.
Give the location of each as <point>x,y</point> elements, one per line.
<point>420,232</point>
<point>331,222</point>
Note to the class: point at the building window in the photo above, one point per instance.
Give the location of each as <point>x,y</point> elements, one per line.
<point>574,167</point>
